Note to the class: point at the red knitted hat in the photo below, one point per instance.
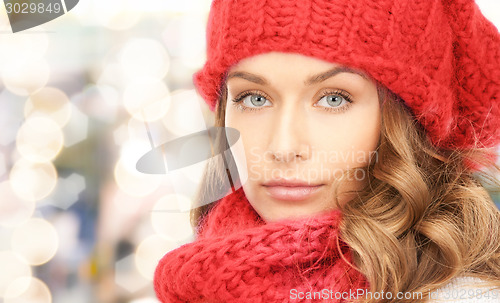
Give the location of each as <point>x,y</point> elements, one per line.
<point>442,57</point>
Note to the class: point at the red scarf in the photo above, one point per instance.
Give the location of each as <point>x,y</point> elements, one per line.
<point>237,257</point>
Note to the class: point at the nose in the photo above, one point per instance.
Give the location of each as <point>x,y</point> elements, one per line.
<point>289,134</point>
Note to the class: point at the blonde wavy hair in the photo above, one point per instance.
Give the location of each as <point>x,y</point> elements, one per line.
<point>424,216</point>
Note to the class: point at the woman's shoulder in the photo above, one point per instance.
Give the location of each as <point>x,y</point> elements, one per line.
<point>466,289</point>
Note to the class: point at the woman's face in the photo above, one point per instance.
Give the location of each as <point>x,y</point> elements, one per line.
<point>303,122</point>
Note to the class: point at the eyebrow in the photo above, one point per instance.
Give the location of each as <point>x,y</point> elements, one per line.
<point>309,81</point>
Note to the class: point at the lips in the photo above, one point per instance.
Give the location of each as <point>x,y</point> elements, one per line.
<point>291,190</point>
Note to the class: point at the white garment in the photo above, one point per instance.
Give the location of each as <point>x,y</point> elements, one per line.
<point>465,290</point>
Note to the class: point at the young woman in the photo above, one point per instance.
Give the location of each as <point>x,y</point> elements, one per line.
<point>365,125</point>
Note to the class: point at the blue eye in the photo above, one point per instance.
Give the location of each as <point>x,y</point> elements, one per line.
<point>255,100</point>
<point>251,100</point>
<point>334,100</point>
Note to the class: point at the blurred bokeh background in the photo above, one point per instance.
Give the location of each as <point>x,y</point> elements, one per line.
<point>82,98</point>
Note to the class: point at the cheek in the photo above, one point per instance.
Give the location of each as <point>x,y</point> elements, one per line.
<point>365,135</point>
<point>249,155</point>
<point>348,142</point>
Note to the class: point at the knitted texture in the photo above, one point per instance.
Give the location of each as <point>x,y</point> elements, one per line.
<point>442,57</point>
<point>237,257</point>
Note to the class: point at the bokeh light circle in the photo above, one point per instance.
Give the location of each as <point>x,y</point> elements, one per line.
<point>36,240</point>
<point>149,252</point>
<point>18,48</point>
<point>33,181</point>
<point>49,102</point>
<point>167,219</point>
<point>141,57</point>
<point>35,292</point>
<point>147,99</point>
<point>39,139</point>
<point>13,267</point>
<point>185,115</point>
<point>134,183</point>
<point>13,210</point>
<point>123,20</point>
<point>112,14</point>
<point>25,77</point>
<point>184,37</point>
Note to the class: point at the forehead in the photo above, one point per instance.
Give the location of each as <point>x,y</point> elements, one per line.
<point>269,67</point>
